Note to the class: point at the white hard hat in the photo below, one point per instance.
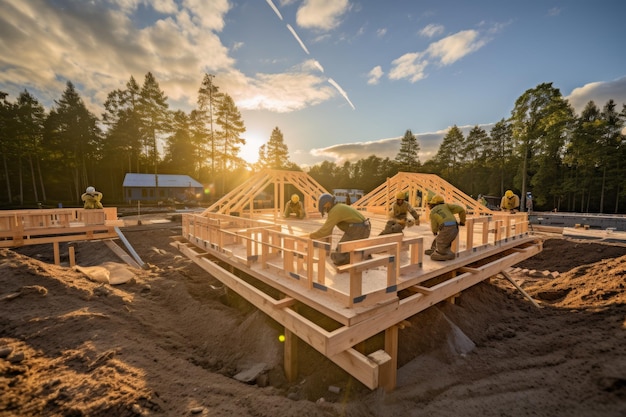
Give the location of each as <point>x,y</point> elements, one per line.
<point>91,190</point>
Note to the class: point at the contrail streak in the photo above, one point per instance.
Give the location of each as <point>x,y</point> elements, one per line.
<point>304,48</point>
<point>295,35</point>
<point>318,65</point>
<point>271,3</point>
<point>343,93</point>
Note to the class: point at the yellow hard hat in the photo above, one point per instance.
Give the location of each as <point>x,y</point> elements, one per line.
<point>400,196</point>
<point>508,193</point>
<point>437,199</point>
<point>295,198</point>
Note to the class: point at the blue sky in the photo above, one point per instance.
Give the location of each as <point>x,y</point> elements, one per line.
<point>342,79</point>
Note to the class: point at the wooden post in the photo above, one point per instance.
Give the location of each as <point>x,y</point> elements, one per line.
<point>389,371</point>
<point>57,257</point>
<point>71,246</point>
<point>291,356</point>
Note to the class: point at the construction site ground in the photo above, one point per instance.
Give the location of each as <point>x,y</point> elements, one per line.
<point>171,341</point>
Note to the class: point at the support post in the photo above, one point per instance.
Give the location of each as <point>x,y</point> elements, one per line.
<point>291,356</point>
<point>72,253</point>
<point>389,371</point>
<point>57,257</point>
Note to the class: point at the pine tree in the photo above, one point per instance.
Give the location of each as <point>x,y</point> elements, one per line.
<point>449,155</point>
<point>408,158</point>
<point>274,154</point>
<point>155,120</point>
<point>209,99</point>
<point>73,138</point>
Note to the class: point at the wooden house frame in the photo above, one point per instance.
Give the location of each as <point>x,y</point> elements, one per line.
<point>425,185</point>
<point>241,200</point>
<point>265,259</point>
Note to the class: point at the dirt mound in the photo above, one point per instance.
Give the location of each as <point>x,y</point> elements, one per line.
<point>170,341</point>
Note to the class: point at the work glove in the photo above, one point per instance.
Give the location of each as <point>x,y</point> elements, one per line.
<point>410,223</point>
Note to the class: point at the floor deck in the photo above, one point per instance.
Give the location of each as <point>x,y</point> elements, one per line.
<point>334,309</point>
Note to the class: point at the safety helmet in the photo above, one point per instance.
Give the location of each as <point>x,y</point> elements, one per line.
<point>437,199</point>
<point>508,193</point>
<point>400,196</point>
<point>91,190</point>
<point>295,198</point>
<point>324,198</point>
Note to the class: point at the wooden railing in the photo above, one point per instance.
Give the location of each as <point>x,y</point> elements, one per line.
<point>29,227</point>
<point>263,246</point>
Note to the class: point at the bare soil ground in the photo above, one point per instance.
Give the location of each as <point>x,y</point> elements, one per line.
<point>170,341</point>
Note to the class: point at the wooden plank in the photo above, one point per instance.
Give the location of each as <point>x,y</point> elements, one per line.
<point>123,255</point>
<point>345,337</point>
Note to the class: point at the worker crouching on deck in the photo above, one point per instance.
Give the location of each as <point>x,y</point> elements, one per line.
<point>92,198</point>
<point>509,202</point>
<point>294,206</point>
<point>349,220</point>
<point>445,227</point>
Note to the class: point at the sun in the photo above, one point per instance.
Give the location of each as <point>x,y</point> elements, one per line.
<point>250,151</point>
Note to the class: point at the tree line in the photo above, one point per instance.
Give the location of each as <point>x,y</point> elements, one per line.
<point>568,162</point>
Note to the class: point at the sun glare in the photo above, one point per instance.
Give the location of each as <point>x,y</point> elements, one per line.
<point>250,151</point>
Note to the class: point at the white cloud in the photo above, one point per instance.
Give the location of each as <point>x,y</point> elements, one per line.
<point>446,51</point>
<point>431,30</point>
<point>381,32</point>
<point>374,75</point>
<point>409,66</point>
<point>44,46</point>
<point>280,92</point>
<point>555,11</point>
<point>321,14</point>
<point>386,148</point>
<point>454,47</point>
<point>600,92</point>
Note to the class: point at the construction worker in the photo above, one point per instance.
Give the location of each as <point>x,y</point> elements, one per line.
<point>92,198</point>
<point>294,206</point>
<point>401,208</point>
<point>349,220</point>
<point>445,227</point>
<point>509,202</point>
<point>399,215</point>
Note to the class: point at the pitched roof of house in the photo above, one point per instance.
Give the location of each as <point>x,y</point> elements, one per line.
<point>165,180</point>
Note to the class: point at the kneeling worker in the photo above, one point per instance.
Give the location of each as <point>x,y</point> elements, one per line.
<point>398,216</point>
<point>445,228</point>
<point>354,225</point>
<point>294,206</point>
<point>400,210</point>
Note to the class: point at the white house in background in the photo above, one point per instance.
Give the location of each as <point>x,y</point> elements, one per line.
<point>347,195</point>
<point>161,187</point>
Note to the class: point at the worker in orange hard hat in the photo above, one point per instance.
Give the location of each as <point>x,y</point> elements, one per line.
<point>294,206</point>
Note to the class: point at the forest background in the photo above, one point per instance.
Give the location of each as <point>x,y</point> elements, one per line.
<point>570,162</point>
